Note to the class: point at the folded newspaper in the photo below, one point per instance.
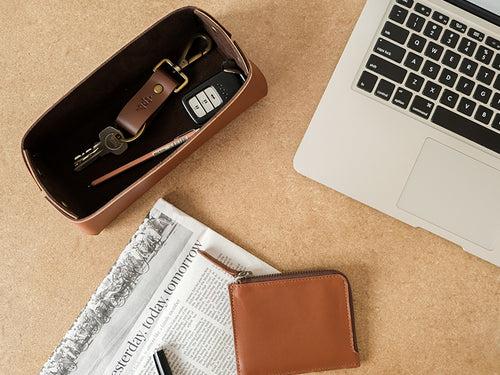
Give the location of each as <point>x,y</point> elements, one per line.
<point>159,294</point>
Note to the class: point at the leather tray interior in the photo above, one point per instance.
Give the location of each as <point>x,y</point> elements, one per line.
<point>73,124</point>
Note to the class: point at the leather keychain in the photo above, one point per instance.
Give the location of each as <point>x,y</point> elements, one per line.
<point>134,116</point>
<point>143,105</point>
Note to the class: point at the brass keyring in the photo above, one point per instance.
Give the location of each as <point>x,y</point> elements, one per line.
<point>133,138</point>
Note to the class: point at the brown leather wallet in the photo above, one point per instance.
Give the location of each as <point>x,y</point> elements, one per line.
<point>293,323</point>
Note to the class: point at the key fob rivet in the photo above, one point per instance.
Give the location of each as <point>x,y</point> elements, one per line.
<point>158,89</point>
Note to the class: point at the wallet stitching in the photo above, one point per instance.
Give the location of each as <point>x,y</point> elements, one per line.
<point>301,280</point>
<point>343,365</point>
<point>238,367</point>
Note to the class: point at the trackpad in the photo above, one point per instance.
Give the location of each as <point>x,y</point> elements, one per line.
<point>454,192</point>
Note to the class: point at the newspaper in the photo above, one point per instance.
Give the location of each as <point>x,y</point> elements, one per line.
<point>159,293</point>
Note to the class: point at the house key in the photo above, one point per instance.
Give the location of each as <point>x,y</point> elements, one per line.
<point>111,141</point>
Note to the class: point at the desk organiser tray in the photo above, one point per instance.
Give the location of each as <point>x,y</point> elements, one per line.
<point>50,145</point>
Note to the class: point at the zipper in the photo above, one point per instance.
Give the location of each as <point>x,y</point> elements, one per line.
<point>237,274</point>
<point>244,276</point>
<point>249,278</point>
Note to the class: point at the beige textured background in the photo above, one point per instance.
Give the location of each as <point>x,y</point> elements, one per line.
<point>423,306</point>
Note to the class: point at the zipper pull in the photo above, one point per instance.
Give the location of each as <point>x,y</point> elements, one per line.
<point>242,275</point>
<point>238,275</point>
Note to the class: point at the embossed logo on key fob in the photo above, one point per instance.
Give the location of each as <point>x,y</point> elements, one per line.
<point>205,100</point>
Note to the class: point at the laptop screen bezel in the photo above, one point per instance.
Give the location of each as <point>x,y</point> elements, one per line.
<point>476,10</point>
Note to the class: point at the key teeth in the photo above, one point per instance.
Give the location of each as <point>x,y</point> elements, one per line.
<point>82,157</point>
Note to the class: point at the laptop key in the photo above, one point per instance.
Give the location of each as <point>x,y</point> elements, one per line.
<point>485,75</point>
<point>422,9</point>
<point>414,82</point>
<point>448,77</point>
<point>451,59</point>
<point>466,128</point>
<point>415,22</point>
<point>416,42</point>
<point>441,18</point>
<point>398,14</point>
<point>483,115</point>
<point>367,81</point>
<point>395,33</point>
<point>421,107</point>
<point>459,26</point>
<point>386,69</point>
<point>482,94</point>
<point>468,67</point>
<point>406,3</point>
<point>497,82</point>
<point>495,102</point>
<point>493,43</point>
<point>402,98</point>
<point>496,121</point>
<point>484,55</point>
<point>430,69</point>
<point>496,62</point>
<point>434,51</point>
<point>449,98</point>
<point>431,90</point>
<point>433,30</point>
<point>413,61</point>
<point>389,50</point>
<point>450,38</point>
<point>466,106</point>
<point>465,85</point>
<point>467,46</point>
<point>384,89</point>
<point>477,35</point>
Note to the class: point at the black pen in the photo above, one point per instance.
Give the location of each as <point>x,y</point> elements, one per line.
<point>161,363</point>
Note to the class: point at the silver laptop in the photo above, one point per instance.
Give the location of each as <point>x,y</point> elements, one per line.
<point>410,121</point>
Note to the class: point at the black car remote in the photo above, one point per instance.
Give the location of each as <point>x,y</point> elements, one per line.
<point>206,99</point>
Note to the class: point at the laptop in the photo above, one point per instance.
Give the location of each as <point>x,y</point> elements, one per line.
<point>410,121</point>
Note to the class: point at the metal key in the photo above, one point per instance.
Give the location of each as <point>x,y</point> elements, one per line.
<point>110,142</point>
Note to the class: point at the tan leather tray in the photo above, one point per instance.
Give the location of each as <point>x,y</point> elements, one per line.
<point>74,122</point>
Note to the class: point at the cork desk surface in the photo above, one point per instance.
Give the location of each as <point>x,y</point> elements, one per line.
<point>422,305</point>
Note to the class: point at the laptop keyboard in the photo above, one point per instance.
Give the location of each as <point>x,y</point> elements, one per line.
<point>439,69</point>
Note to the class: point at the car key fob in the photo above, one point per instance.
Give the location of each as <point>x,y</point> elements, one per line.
<point>205,100</point>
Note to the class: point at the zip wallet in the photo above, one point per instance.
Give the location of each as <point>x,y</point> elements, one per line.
<point>293,323</point>
<point>119,93</point>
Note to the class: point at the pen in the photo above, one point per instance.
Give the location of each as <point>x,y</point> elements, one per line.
<point>160,150</point>
<point>161,363</point>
